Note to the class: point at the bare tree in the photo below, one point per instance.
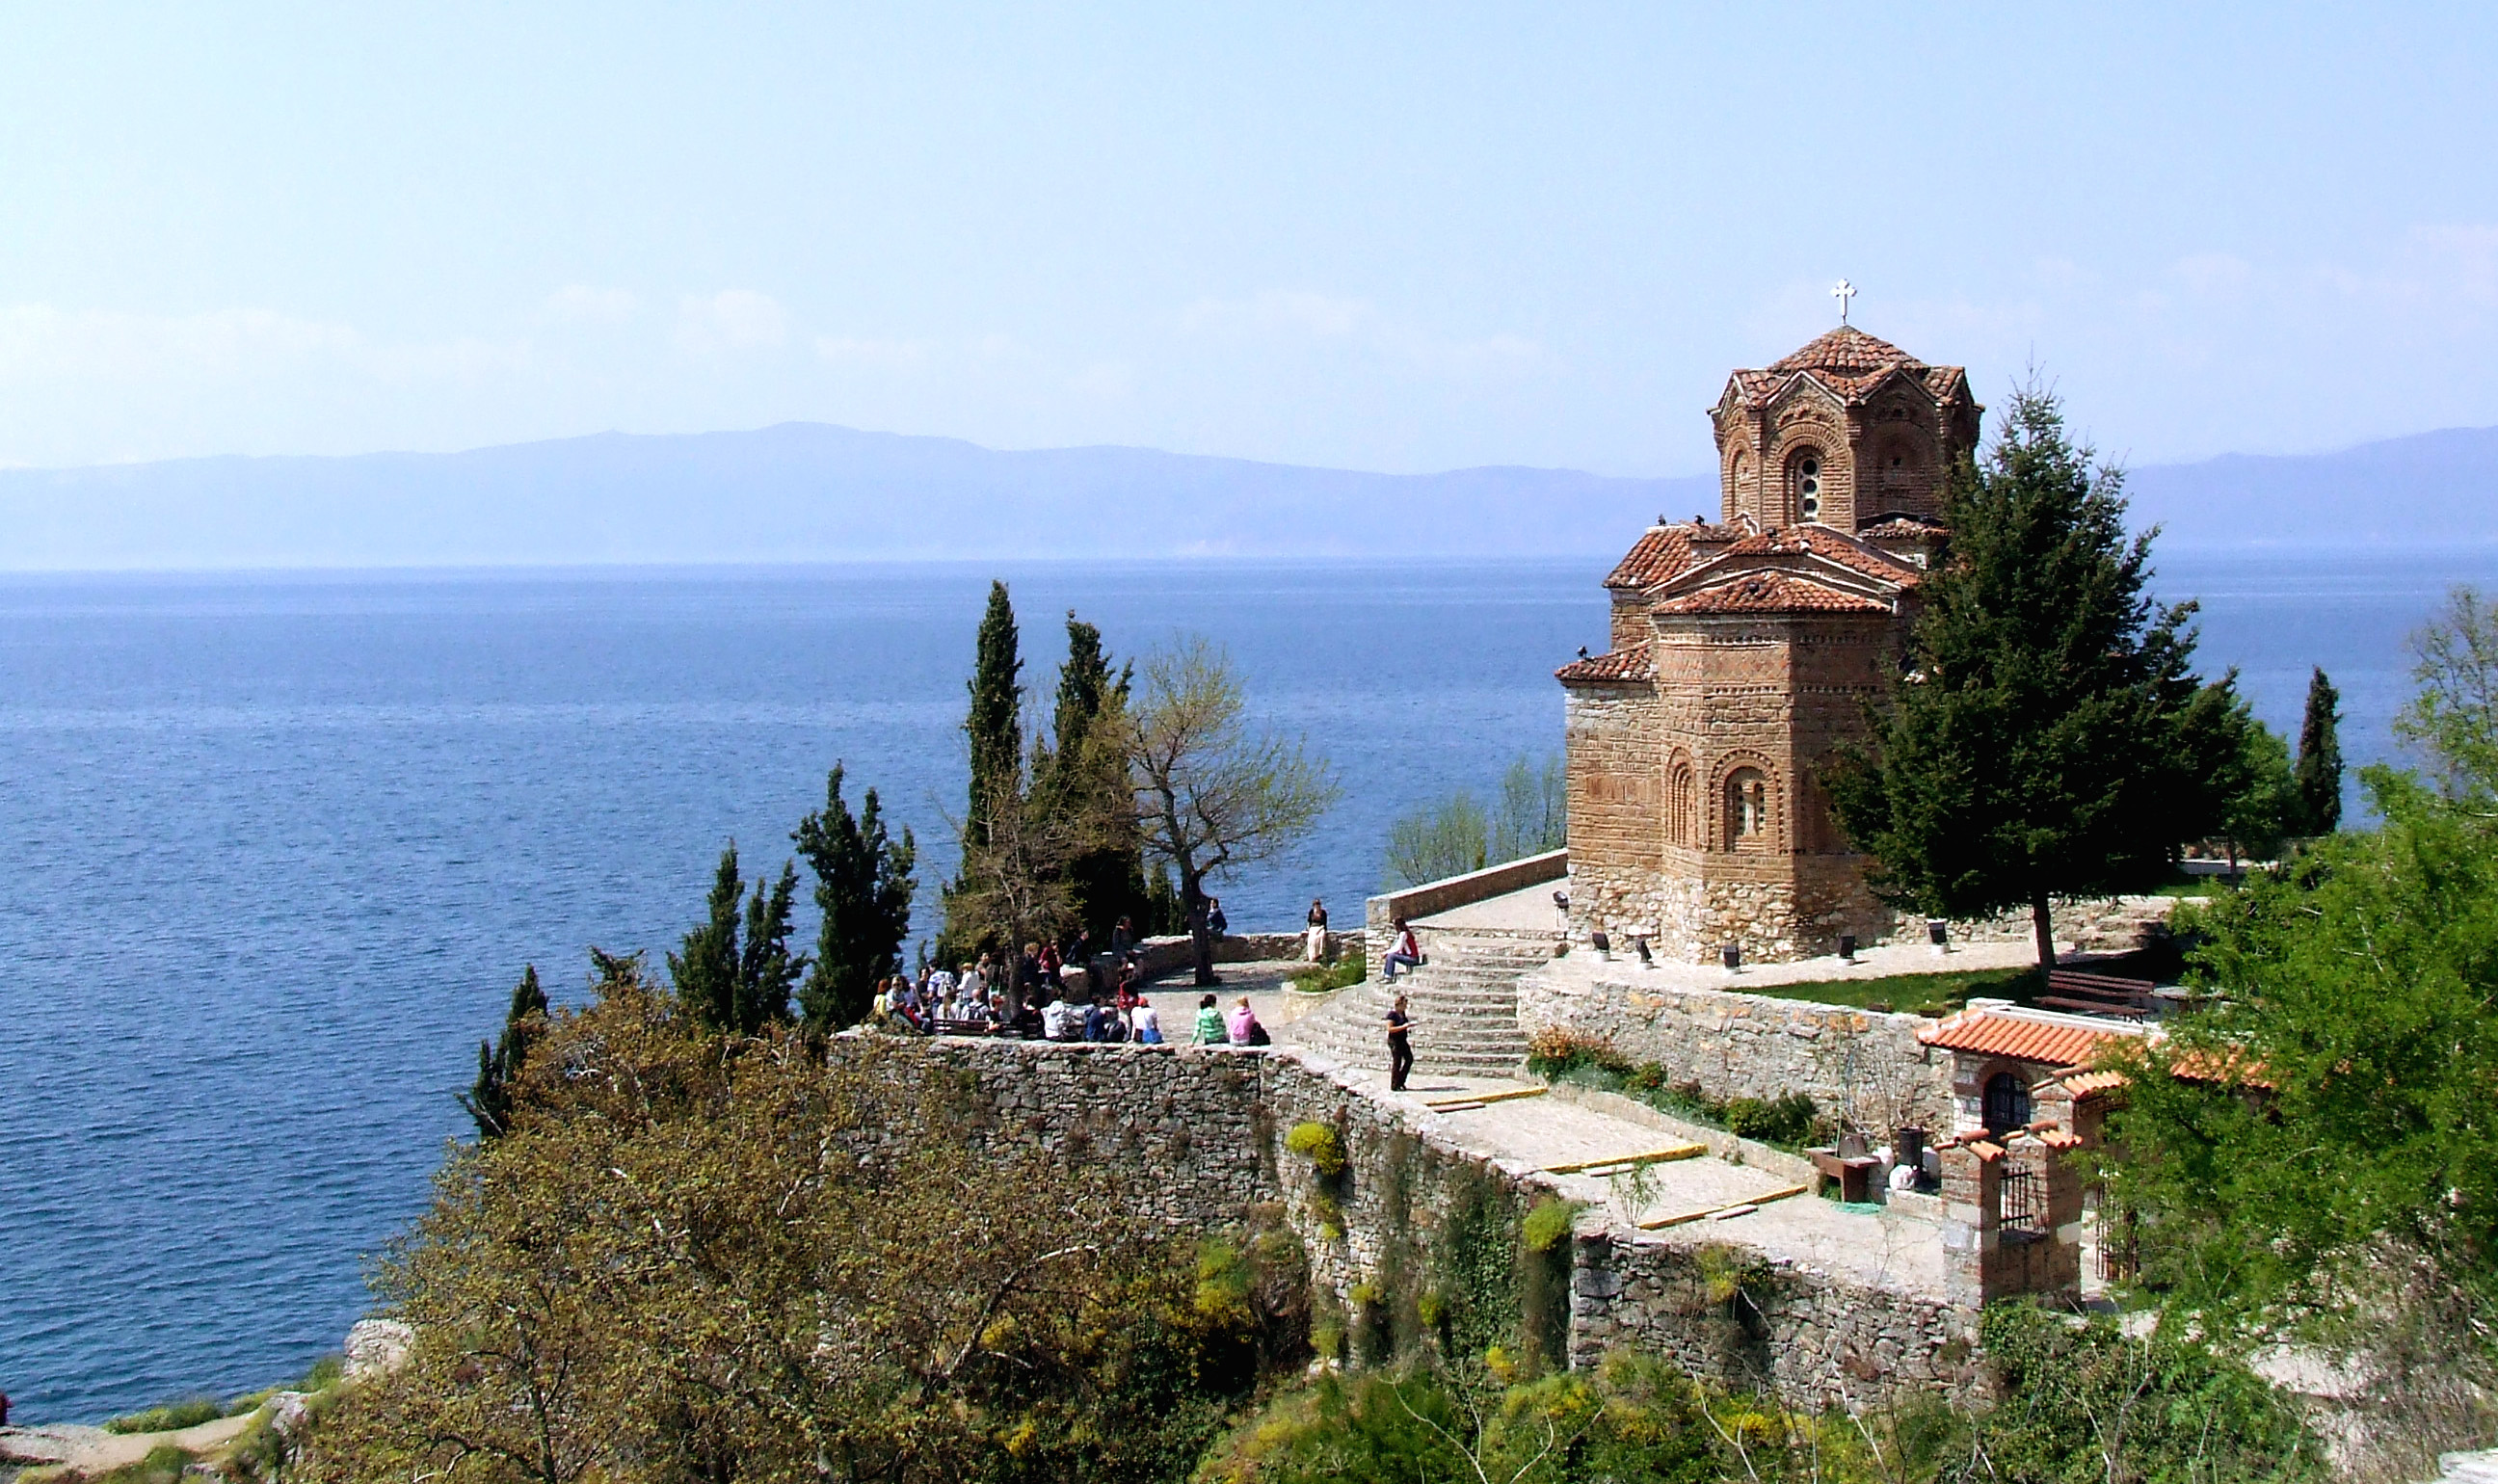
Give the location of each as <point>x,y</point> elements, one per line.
<point>1211,794</point>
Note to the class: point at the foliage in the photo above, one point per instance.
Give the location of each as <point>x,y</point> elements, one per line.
<point>2453,720</point>
<point>1554,1051</point>
<point>2318,774</point>
<point>994,727</point>
<point>164,1464</point>
<point>1081,774</point>
<point>2048,739</point>
<point>489,1100</point>
<point>2349,1048</point>
<point>2085,1403</point>
<point>1449,838</point>
<point>1319,1145</point>
<point>1788,1119</point>
<point>170,1416</point>
<point>2259,799</point>
<point>863,890</point>
<point>1456,836</point>
<point>1547,1223</point>
<point>734,992</point>
<point>1351,967</point>
<point>1210,795</point>
<point>696,1258</point>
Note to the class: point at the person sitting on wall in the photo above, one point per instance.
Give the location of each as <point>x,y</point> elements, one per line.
<point>1243,1028</point>
<point>1148,1022</point>
<point>1062,1022</point>
<point>1216,923</point>
<point>1209,1023</point>
<point>1407,952</point>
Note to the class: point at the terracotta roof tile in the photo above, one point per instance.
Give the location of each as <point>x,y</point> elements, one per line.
<point>1773,592</point>
<point>1661,553</point>
<point>1845,349</point>
<point>1823,541</point>
<point>2083,1084</point>
<point>1901,527</point>
<point>2055,1040</point>
<point>1621,664</point>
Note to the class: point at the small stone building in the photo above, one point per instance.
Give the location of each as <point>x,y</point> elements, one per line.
<point>1744,650</point>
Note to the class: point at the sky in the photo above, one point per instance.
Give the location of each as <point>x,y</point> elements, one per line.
<point>1399,238</point>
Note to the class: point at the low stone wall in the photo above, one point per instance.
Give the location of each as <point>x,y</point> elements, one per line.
<point>1159,955</point>
<point>1721,1313</point>
<point>2116,924</point>
<point>1379,914</point>
<point>1861,1065</point>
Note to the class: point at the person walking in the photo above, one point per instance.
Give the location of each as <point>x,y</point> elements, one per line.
<point>1314,941</point>
<point>1400,1046</point>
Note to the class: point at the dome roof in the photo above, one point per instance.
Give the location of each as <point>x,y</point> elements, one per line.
<point>1847,350</point>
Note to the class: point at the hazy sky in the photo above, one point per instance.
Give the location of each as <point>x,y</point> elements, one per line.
<point>1401,238</point>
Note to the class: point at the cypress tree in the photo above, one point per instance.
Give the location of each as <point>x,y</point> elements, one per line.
<point>863,889</point>
<point>2049,740</point>
<point>706,972</point>
<point>489,1101</point>
<point>995,726</point>
<point>1081,781</point>
<point>766,973</point>
<point>2319,757</point>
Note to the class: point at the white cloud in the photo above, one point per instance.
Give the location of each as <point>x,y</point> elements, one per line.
<point>585,303</point>
<point>732,319</point>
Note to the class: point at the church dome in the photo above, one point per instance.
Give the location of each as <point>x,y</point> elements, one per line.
<point>1847,350</point>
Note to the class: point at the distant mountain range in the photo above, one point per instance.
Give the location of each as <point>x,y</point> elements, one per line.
<point>811,492</point>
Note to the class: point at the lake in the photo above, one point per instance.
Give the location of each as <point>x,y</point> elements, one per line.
<point>278,845</point>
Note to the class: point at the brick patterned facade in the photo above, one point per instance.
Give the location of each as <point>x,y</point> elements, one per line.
<point>1743,652</point>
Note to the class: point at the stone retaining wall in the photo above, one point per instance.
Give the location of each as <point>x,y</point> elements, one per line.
<point>1195,1137</point>
<point>1379,914</point>
<point>1721,1313</point>
<point>1863,1065</point>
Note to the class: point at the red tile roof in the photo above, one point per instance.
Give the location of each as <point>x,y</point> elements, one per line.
<point>1772,591</point>
<point>1823,541</point>
<point>2055,1041</point>
<point>1663,553</point>
<point>1621,664</point>
<point>1901,527</point>
<point>1845,349</point>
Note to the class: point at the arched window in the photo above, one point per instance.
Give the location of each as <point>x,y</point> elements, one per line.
<point>1807,479</point>
<point>1747,809</point>
<point>1681,815</point>
<point>2008,1103</point>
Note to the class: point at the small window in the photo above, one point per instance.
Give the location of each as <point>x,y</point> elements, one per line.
<point>1747,809</point>
<point>1808,487</point>
<point>2008,1103</point>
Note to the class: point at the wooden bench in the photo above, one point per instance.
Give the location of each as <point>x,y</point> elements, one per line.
<point>964,1028</point>
<point>2097,994</point>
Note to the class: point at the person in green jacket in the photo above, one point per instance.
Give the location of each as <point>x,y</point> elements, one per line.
<point>1209,1023</point>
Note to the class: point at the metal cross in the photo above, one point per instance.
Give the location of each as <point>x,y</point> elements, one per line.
<point>1843,293</point>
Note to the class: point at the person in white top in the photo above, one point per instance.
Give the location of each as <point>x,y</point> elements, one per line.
<point>1148,1022</point>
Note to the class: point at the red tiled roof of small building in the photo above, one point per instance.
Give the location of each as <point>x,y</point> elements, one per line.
<point>1664,553</point>
<point>2086,1084</point>
<point>1759,591</point>
<point>1621,664</point>
<point>2033,1036</point>
<point>1849,362</point>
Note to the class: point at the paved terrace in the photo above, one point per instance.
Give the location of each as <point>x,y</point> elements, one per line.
<point>1686,1201</point>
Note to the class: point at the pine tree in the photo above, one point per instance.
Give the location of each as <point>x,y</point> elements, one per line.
<point>2049,740</point>
<point>489,1101</point>
<point>706,972</point>
<point>995,727</point>
<point>1079,781</point>
<point>863,889</point>
<point>2319,759</point>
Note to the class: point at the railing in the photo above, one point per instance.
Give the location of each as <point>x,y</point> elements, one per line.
<point>2022,1208</point>
<point>2120,1257</point>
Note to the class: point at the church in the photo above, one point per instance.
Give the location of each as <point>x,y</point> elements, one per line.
<point>1744,650</point>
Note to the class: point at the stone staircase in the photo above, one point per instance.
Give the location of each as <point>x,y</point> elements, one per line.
<point>1463,1001</point>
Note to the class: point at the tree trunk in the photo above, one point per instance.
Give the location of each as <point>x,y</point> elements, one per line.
<point>2042,924</point>
<point>1201,941</point>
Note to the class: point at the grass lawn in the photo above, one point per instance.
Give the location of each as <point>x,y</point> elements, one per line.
<point>1929,994</point>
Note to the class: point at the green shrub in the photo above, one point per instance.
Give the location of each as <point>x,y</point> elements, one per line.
<point>170,1416</point>
<point>1553,1053</point>
<point>1319,1145</point>
<point>1784,1120</point>
<point>1547,1225</point>
<point>1349,968</point>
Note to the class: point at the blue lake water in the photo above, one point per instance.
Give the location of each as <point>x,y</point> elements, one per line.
<point>278,846</point>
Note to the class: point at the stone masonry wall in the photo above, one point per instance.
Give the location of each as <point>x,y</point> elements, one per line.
<point>1196,1136</point>
<point>1859,1064</point>
<point>1719,1313</point>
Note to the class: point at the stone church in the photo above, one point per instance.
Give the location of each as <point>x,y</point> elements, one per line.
<point>1743,653</point>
